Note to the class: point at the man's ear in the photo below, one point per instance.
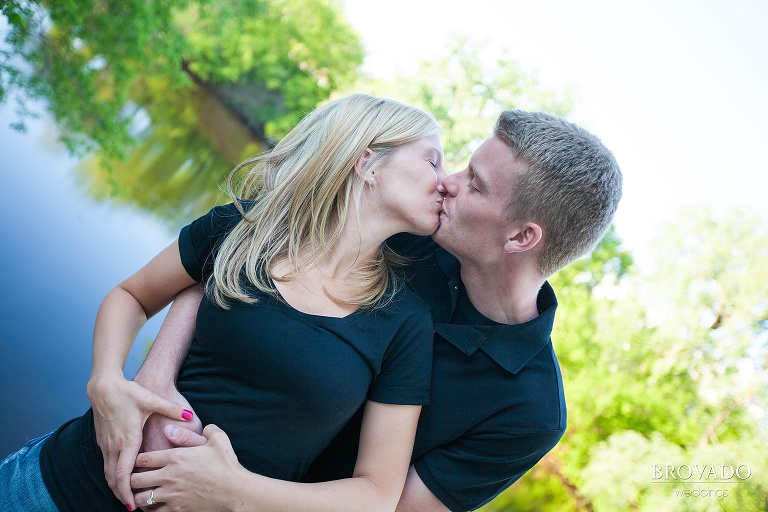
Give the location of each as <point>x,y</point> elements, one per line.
<point>524,238</point>
<point>362,163</point>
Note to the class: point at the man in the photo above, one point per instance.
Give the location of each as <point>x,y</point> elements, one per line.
<point>536,195</point>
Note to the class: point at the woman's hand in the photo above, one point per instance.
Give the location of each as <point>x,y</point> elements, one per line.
<point>208,478</point>
<point>155,438</point>
<point>120,410</point>
<point>197,478</point>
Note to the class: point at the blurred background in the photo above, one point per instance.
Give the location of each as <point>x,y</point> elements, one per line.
<point>119,122</point>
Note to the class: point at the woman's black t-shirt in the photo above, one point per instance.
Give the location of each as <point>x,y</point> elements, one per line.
<point>279,382</point>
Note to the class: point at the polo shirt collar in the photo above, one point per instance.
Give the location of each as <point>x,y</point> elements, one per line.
<point>511,346</point>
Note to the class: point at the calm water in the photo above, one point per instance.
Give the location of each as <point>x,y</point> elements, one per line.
<point>60,253</point>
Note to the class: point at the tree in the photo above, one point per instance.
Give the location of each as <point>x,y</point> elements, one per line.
<point>466,87</point>
<point>662,365</point>
<point>167,96</point>
<point>92,61</point>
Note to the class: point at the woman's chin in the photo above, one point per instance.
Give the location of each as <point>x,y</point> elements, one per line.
<point>428,228</point>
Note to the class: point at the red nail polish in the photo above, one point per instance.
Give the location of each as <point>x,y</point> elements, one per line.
<point>129,507</point>
<point>187,414</point>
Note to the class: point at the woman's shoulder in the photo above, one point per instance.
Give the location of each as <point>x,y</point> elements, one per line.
<point>224,216</point>
<point>200,240</point>
<point>217,223</point>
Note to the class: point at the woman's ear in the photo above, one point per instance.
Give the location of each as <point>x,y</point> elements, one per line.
<point>524,238</point>
<point>362,164</point>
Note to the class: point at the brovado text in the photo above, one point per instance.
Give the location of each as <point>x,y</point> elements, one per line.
<point>700,472</point>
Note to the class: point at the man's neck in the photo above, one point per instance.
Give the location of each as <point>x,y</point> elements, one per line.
<point>507,296</point>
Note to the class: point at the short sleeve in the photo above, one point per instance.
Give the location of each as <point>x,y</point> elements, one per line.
<point>406,370</point>
<point>470,471</point>
<point>200,240</point>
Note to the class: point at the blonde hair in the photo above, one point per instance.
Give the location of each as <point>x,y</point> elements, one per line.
<point>302,189</point>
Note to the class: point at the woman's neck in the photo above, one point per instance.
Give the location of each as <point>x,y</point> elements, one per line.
<point>359,242</point>
<point>319,285</point>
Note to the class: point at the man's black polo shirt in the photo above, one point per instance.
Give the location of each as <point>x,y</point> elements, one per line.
<point>497,403</point>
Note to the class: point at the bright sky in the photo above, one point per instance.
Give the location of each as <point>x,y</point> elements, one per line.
<point>675,88</point>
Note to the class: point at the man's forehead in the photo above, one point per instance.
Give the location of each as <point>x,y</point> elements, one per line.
<point>494,158</point>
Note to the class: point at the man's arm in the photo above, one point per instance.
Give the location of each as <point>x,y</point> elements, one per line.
<point>473,469</point>
<point>417,497</point>
<point>126,408</point>
<point>160,368</point>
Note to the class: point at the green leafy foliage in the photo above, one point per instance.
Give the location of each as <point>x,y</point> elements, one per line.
<point>663,364</point>
<point>466,86</point>
<point>629,471</point>
<point>303,50</point>
<point>165,97</point>
<point>92,62</point>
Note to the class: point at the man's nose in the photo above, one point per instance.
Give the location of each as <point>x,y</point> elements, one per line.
<point>448,185</point>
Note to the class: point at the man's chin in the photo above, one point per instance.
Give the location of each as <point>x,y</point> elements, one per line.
<point>438,233</point>
<point>443,237</point>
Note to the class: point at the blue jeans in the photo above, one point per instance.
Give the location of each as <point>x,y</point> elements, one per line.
<point>21,483</point>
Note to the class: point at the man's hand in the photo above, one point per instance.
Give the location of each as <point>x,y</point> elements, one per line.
<point>190,479</point>
<point>155,437</point>
<point>161,433</point>
<point>120,410</point>
<point>180,436</point>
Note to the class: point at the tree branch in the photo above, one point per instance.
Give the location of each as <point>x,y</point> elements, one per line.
<point>554,466</point>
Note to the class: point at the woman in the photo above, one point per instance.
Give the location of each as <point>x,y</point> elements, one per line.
<point>303,321</point>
